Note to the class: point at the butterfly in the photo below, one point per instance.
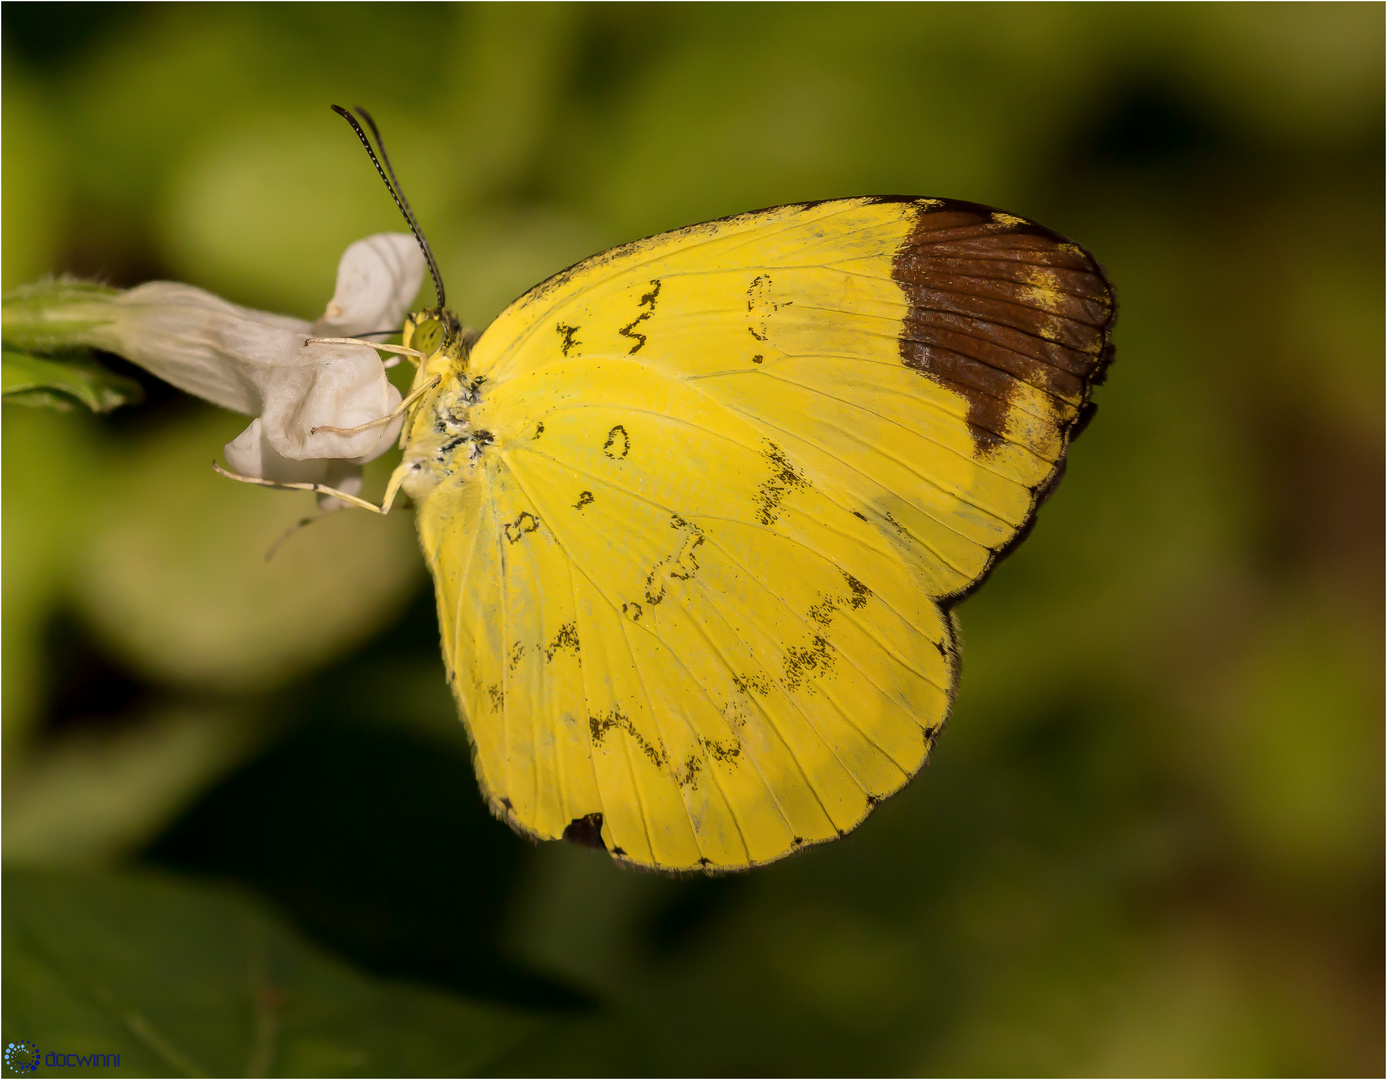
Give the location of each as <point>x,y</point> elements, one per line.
<point>698,510</point>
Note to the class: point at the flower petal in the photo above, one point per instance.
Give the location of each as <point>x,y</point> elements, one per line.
<point>251,454</point>
<point>339,386</point>
<point>201,343</point>
<point>377,281</point>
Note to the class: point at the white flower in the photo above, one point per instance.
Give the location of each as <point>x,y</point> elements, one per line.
<point>263,365</point>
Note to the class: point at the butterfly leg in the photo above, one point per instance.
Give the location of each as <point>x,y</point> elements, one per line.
<point>401,407</point>
<point>292,529</point>
<point>412,355</point>
<point>321,489</point>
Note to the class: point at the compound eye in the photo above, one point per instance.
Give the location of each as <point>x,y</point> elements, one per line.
<point>427,336</point>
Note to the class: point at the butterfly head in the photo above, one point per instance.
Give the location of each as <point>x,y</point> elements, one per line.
<point>436,332</point>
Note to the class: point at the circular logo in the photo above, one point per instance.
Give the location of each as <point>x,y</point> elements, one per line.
<point>22,1057</point>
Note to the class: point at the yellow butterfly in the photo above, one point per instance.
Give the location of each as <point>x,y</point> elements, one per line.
<point>698,509</point>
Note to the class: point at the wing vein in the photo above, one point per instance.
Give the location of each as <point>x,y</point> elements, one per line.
<point>735,521</point>
<point>704,690</point>
<point>666,417</point>
<point>654,713</point>
<point>507,772</point>
<point>479,537</point>
<point>843,433</point>
<point>934,406</point>
<point>804,623</point>
<point>587,702</point>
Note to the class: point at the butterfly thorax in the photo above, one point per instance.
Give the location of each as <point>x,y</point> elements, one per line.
<point>438,437</point>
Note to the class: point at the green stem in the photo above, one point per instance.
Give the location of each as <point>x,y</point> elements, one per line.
<point>52,316</point>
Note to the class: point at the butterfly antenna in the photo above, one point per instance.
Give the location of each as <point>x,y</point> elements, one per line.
<point>395,193</point>
<point>380,145</point>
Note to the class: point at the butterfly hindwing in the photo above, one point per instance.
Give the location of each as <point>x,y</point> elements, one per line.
<point>694,589</point>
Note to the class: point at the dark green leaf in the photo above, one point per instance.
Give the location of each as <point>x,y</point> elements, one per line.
<point>184,979</point>
<point>57,382</point>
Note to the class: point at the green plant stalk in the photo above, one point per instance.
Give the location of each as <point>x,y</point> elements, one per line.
<point>55,315</point>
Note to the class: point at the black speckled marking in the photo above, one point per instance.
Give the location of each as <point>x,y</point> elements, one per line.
<point>584,499</point>
<point>832,602</point>
<point>632,611</point>
<point>618,443</point>
<point>822,612</point>
<point>681,567</point>
<point>686,565</point>
<point>783,479</point>
<point>654,590</point>
<point>566,637</point>
<point>829,603</point>
<point>647,302</point>
<point>569,341</point>
<point>599,725</point>
<point>860,593</point>
<point>802,662</point>
<point>760,306</point>
<point>758,683</point>
<point>729,752</point>
<point>686,776</point>
<point>525,523</point>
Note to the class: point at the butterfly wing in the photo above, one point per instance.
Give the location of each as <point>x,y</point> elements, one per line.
<point>695,591</point>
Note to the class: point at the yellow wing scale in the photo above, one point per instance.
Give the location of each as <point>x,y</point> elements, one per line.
<point>690,586</point>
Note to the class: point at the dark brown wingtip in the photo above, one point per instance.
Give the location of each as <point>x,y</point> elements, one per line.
<point>999,304</point>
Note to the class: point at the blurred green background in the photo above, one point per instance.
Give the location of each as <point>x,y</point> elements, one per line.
<point>241,829</point>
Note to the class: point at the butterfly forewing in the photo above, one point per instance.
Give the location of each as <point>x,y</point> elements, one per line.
<point>694,589</point>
